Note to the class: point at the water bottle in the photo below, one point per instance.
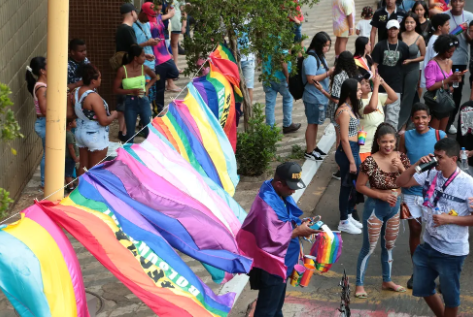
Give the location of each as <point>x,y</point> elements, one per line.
<point>456,83</point>
<point>463,160</point>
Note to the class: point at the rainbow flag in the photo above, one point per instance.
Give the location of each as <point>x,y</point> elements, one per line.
<point>326,250</point>
<point>135,252</point>
<point>458,30</point>
<point>224,60</point>
<point>215,91</point>
<point>39,270</point>
<point>192,129</point>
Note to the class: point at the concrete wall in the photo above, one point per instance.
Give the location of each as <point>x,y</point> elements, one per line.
<point>23,28</point>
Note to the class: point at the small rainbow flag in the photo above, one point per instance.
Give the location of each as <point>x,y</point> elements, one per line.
<point>458,30</point>
<point>326,250</point>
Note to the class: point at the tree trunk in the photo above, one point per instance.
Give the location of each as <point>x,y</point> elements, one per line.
<point>246,105</point>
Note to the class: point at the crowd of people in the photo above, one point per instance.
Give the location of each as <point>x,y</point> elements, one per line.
<point>372,96</point>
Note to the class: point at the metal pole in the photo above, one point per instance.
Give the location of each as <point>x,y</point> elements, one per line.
<point>58,27</point>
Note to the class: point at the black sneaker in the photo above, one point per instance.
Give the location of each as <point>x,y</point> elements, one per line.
<point>313,156</point>
<point>410,282</point>
<point>322,153</point>
<point>292,128</point>
<point>122,137</point>
<point>337,175</point>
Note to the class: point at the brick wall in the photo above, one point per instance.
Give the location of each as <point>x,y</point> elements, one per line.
<point>23,28</point>
<point>96,22</point>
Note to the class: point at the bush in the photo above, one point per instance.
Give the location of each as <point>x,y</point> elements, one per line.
<point>256,148</point>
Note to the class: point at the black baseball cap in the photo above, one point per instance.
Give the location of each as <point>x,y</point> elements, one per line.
<point>291,173</point>
<point>362,74</point>
<point>127,8</point>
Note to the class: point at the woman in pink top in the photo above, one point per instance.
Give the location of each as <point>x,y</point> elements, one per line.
<point>36,82</point>
<point>438,72</point>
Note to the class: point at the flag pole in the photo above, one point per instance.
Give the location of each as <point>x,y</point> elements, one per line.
<point>58,29</point>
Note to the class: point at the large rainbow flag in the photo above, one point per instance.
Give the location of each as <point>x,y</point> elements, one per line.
<point>39,270</point>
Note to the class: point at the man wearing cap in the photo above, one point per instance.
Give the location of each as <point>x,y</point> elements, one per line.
<point>270,235</point>
<point>388,56</point>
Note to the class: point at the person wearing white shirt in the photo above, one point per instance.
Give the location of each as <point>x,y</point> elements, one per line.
<point>363,27</point>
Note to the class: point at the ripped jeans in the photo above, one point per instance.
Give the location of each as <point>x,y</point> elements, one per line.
<point>379,219</point>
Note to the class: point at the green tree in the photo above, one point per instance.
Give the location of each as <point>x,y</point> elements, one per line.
<point>265,21</point>
<point>9,130</point>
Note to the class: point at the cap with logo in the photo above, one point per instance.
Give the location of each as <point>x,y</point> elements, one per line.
<point>127,8</point>
<point>291,174</point>
<point>393,24</point>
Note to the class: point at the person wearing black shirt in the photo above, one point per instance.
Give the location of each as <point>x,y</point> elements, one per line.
<point>388,56</point>
<point>381,18</point>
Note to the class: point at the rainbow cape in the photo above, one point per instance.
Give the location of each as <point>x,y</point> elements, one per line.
<point>135,252</point>
<point>269,247</point>
<point>192,129</point>
<point>39,270</point>
<point>327,250</point>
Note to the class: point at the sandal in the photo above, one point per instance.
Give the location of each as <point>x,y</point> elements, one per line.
<point>397,289</point>
<point>361,295</point>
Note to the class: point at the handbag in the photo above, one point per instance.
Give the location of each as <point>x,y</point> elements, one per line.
<point>440,101</point>
<point>116,61</point>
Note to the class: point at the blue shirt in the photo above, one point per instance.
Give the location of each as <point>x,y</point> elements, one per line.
<point>268,68</point>
<point>419,145</point>
<point>310,68</point>
<point>407,5</point>
<point>143,33</point>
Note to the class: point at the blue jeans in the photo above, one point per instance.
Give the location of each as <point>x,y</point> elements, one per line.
<point>346,201</point>
<point>271,92</point>
<point>430,263</point>
<point>135,106</point>
<point>379,219</point>
<point>40,129</point>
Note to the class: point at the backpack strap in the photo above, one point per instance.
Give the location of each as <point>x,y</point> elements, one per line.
<point>437,135</point>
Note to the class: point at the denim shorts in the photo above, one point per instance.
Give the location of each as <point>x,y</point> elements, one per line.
<point>314,112</point>
<point>248,69</point>
<point>92,136</point>
<point>414,203</point>
<point>430,263</point>
<point>70,166</point>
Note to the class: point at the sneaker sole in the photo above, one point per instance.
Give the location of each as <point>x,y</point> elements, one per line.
<point>342,230</point>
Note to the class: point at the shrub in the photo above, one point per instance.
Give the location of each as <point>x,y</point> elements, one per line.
<point>256,148</point>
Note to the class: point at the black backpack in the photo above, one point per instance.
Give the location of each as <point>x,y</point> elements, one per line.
<point>296,84</point>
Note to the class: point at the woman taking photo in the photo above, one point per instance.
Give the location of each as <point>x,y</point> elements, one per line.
<point>315,69</point>
<point>37,88</point>
<point>131,81</point>
<point>438,74</point>
<point>93,119</point>
<point>410,34</point>
<point>347,154</point>
<point>381,213</point>
<point>362,57</point>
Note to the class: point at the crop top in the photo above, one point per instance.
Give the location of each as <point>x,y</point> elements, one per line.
<point>378,178</point>
<point>352,125</point>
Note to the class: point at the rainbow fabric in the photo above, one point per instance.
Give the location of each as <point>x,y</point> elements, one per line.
<point>192,129</point>
<point>458,30</point>
<point>39,270</point>
<point>326,250</point>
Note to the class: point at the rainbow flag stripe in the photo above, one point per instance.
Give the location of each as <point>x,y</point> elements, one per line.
<point>39,270</point>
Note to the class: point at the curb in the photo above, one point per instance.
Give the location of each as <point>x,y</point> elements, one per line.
<point>309,169</point>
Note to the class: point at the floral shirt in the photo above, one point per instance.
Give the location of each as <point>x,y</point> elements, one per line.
<point>72,70</point>
<point>378,178</point>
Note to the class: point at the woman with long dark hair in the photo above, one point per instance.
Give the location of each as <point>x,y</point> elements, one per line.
<point>36,79</point>
<point>411,35</point>
<point>347,155</point>
<point>131,81</point>
<point>93,119</point>
<point>421,9</point>
<point>315,69</point>
<point>381,213</point>
<point>362,56</point>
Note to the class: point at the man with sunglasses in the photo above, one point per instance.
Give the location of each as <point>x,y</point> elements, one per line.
<point>270,235</point>
<point>460,59</point>
<point>447,213</point>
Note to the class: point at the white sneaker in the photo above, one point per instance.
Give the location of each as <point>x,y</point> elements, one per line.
<point>452,130</point>
<point>355,222</point>
<point>348,227</point>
